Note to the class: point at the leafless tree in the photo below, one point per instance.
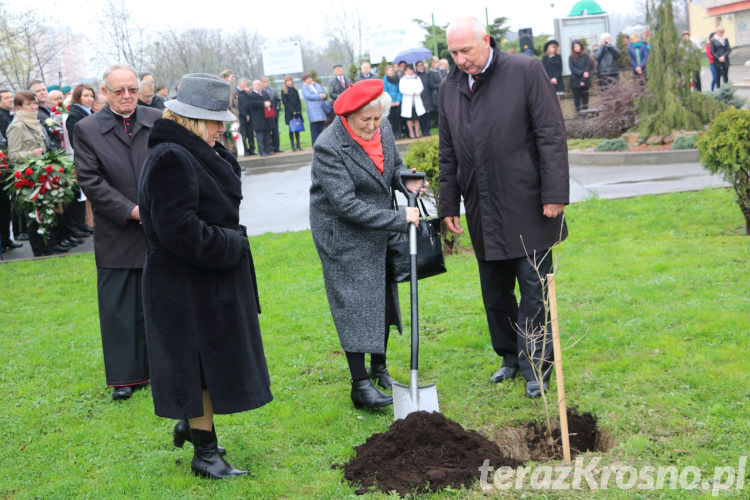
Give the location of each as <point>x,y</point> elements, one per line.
<point>26,48</point>
<point>120,38</point>
<point>344,30</point>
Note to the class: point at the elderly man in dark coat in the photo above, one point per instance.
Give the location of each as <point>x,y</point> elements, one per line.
<point>503,148</point>
<point>199,289</point>
<point>258,102</point>
<point>355,167</point>
<point>110,147</point>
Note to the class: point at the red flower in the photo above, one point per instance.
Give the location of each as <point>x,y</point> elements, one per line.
<point>42,178</point>
<point>28,172</point>
<point>49,169</point>
<point>28,183</point>
<point>57,113</point>
<point>17,174</point>
<point>43,190</point>
<point>62,170</point>
<point>2,156</point>
<point>18,184</point>
<point>68,107</point>
<point>53,108</point>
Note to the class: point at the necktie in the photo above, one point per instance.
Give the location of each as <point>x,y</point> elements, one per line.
<point>474,83</point>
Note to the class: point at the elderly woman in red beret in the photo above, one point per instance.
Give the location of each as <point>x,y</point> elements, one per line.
<point>354,171</point>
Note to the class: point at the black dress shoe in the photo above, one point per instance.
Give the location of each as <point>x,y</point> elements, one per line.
<point>86,229</point>
<point>41,252</point>
<point>11,245</point>
<point>504,373</point>
<point>533,390</point>
<point>78,233</point>
<point>22,236</point>
<point>207,461</point>
<point>379,373</point>
<point>59,248</point>
<point>73,241</point>
<point>181,433</point>
<point>122,392</point>
<point>366,395</point>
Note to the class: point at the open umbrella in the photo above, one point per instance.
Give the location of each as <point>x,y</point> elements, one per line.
<point>410,56</point>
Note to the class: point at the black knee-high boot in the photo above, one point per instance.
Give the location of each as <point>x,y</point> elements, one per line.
<point>207,461</point>
<point>181,433</point>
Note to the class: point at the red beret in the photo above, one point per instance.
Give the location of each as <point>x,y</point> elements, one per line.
<point>357,96</point>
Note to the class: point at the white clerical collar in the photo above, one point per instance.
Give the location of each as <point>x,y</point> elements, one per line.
<point>121,115</point>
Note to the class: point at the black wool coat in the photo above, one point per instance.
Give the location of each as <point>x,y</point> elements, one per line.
<point>578,66</point>
<point>554,68</point>
<point>503,149</point>
<point>256,105</point>
<point>108,165</point>
<point>75,115</point>
<point>199,292</point>
<point>292,104</point>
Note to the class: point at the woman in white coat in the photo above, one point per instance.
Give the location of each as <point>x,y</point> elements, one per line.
<point>412,107</point>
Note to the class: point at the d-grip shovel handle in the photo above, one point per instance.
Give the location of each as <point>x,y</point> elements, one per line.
<point>408,175</point>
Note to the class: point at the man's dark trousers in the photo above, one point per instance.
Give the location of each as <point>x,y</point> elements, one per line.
<point>506,317</point>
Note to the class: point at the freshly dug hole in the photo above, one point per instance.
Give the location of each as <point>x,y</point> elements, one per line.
<point>528,441</point>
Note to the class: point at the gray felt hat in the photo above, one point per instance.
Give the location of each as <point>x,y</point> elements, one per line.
<point>203,97</point>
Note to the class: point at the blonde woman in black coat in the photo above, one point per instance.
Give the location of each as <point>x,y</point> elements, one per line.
<point>199,292</point>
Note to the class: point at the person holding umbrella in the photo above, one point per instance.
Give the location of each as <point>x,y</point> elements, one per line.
<point>355,168</point>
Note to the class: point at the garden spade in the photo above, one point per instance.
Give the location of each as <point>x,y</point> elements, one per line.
<point>412,398</point>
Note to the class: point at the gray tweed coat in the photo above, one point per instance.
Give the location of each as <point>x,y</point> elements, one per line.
<point>350,218</point>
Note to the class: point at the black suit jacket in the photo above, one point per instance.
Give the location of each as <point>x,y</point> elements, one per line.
<point>5,119</point>
<point>335,88</point>
<point>54,140</point>
<point>256,105</point>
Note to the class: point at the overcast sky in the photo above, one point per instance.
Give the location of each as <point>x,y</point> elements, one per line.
<point>278,19</point>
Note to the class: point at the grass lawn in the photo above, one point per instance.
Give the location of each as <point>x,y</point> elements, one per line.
<point>660,283</point>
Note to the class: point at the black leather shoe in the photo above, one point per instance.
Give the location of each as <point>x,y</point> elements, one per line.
<point>379,373</point>
<point>207,461</point>
<point>12,245</point>
<point>532,389</point>
<point>22,236</point>
<point>59,248</point>
<point>41,252</point>
<point>86,229</point>
<point>504,373</point>
<point>78,233</point>
<point>366,395</point>
<point>122,392</point>
<point>74,242</point>
<point>181,433</point>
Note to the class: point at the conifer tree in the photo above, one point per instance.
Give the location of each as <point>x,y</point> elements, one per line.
<point>664,108</point>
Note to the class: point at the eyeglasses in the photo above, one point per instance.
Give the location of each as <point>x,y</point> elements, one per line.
<point>121,92</point>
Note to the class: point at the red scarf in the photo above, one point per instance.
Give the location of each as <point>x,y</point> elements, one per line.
<point>373,147</point>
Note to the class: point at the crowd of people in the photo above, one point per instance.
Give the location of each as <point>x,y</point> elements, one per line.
<point>604,56</point>
<point>177,294</point>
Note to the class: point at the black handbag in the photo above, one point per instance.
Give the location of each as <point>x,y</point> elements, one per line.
<point>430,260</point>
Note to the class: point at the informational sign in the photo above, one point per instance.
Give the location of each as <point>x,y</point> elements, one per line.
<point>589,28</point>
<point>386,43</point>
<point>282,58</point>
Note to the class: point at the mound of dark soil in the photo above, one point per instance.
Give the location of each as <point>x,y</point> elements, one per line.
<point>424,451</point>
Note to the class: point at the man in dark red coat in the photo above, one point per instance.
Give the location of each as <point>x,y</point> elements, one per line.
<point>111,146</point>
<point>503,149</point>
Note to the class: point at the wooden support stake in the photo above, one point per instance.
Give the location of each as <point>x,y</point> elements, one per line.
<point>557,350</point>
